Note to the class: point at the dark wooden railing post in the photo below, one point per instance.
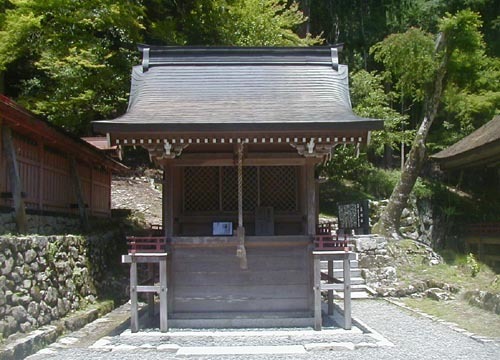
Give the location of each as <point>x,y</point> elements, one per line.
<point>14,179</point>
<point>77,187</point>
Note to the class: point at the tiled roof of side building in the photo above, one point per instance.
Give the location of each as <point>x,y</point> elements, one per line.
<point>482,147</point>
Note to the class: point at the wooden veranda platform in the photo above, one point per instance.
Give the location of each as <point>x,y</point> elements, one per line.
<point>272,283</point>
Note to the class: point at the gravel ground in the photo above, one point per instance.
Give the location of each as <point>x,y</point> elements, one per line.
<point>413,336</point>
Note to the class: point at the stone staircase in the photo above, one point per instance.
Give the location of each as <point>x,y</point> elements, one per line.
<point>359,289</point>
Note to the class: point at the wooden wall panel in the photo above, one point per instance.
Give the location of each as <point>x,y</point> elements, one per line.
<point>28,158</point>
<point>46,179</point>
<point>211,280</point>
<point>101,188</point>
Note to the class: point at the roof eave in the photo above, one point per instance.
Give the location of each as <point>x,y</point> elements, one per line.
<point>117,127</point>
<point>19,118</point>
<point>479,156</point>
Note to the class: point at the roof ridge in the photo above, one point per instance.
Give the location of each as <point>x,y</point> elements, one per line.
<point>174,55</point>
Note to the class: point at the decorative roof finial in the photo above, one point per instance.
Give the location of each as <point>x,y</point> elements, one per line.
<point>335,59</point>
<point>145,59</point>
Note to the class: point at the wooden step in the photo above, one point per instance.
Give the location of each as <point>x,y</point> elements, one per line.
<point>339,264</point>
<point>355,291</point>
<point>240,320</point>
<point>354,280</point>
<point>340,273</point>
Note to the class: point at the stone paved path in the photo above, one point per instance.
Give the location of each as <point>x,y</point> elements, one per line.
<point>390,333</point>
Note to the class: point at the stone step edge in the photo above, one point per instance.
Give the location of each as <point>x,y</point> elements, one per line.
<point>181,351</point>
<point>23,345</point>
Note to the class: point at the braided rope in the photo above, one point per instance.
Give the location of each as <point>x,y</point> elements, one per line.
<point>240,185</point>
<point>241,251</point>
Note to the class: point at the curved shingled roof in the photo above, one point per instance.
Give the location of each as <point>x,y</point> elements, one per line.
<point>482,147</point>
<point>238,89</point>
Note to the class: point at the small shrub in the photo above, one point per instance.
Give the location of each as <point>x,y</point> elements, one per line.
<point>473,265</point>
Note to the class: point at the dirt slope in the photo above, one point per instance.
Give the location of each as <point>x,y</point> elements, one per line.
<point>141,194</point>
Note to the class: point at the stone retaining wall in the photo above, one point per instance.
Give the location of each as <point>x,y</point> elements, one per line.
<point>418,221</point>
<point>40,224</point>
<point>484,300</point>
<point>379,260</point>
<point>42,278</point>
<point>377,266</point>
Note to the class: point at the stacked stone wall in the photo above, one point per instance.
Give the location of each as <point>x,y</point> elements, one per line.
<point>40,224</point>
<point>43,278</point>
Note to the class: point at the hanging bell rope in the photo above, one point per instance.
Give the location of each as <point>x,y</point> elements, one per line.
<point>240,232</point>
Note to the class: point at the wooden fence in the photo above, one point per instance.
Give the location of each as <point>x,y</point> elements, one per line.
<point>483,239</point>
<point>47,180</point>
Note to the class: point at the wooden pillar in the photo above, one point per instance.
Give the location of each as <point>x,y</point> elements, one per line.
<point>91,189</point>
<point>163,294</point>
<point>317,293</point>
<point>168,203</point>
<point>330,292</point>
<point>347,294</point>
<point>151,295</point>
<point>78,190</point>
<point>41,175</point>
<point>311,197</point>
<point>316,199</point>
<point>134,312</point>
<point>15,179</point>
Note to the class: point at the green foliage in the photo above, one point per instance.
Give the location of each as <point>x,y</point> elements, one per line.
<point>371,182</point>
<point>202,22</point>
<point>52,250</point>
<point>424,14</point>
<point>70,60</point>
<point>379,182</point>
<point>408,60</point>
<point>345,163</point>
<point>265,23</point>
<point>73,57</point>
<point>370,100</point>
<point>473,265</point>
<point>226,22</point>
<point>472,96</point>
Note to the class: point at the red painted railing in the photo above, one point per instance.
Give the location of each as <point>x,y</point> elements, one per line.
<point>146,244</point>
<point>328,239</point>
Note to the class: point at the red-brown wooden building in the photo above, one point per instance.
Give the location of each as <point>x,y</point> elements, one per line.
<point>238,133</point>
<point>54,172</point>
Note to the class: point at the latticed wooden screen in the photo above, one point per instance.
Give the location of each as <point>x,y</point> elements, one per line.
<point>278,187</point>
<point>230,188</point>
<point>201,188</point>
<point>216,188</point>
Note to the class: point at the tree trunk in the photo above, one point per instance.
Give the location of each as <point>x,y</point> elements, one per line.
<point>390,219</point>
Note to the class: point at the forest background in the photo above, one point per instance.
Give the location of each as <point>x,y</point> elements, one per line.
<point>69,61</point>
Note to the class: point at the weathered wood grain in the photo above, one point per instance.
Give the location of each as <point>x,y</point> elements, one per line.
<point>211,280</point>
<point>15,179</point>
